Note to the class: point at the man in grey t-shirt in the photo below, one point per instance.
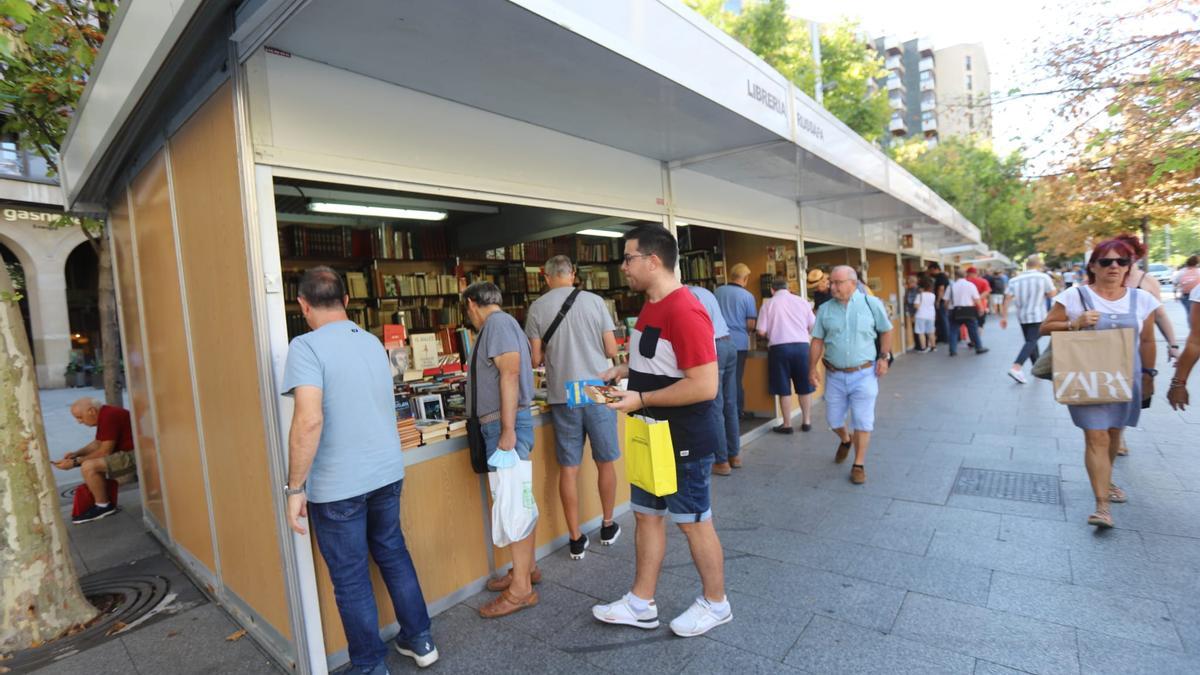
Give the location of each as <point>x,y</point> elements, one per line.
<point>580,348</point>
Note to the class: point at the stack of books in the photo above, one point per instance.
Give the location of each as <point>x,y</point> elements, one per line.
<point>432,431</point>
<point>457,428</point>
<point>409,436</point>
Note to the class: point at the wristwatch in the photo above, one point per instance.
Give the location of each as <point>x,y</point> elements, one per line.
<point>1152,372</point>
<point>289,491</point>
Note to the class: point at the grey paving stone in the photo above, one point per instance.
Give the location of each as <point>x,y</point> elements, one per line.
<point>1178,550</point>
<point>195,638</point>
<point>716,658</point>
<point>1074,534</point>
<point>1133,576</point>
<point>830,646</point>
<point>613,648</point>
<point>1104,654</point>
<point>988,668</point>
<point>948,452</point>
<point>938,577</point>
<point>792,547</point>
<point>1186,618</point>
<point>944,518</point>
<point>763,627</point>
<point>1101,611</point>
<point>1049,511</point>
<point>857,601</point>
<point>876,532</point>
<point>1020,466</point>
<point>1044,562</point>
<point>109,657</point>
<point>1006,639</point>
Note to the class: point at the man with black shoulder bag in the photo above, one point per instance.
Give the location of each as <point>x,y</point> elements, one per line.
<point>571,331</point>
<point>964,311</point>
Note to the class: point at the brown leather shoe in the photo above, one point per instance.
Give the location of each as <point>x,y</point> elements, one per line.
<point>858,474</point>
<point>506,603</point>
<point>722,469</point>
<point>843,452</point>
<point>497,584</point>
<point>735,462</point>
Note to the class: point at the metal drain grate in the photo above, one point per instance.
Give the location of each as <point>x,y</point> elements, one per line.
<point>1022,487</point>
<point>123,602</point>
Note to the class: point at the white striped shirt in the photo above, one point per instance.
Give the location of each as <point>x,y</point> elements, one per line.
<point>1029,289</point>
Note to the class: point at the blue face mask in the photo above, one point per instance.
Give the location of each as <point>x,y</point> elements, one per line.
<point>503,459</point>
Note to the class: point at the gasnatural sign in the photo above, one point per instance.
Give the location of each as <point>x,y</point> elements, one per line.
<point>38,218</point>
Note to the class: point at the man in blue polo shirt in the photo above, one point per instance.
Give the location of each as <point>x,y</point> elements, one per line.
<point>728,448</point>
<point>843,339</point>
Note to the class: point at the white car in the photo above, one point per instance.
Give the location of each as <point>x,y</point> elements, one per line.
<point>1161,272</point>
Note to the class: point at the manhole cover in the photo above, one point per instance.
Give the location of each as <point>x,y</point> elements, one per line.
<point>1022,487</point>
<point>123,603</point>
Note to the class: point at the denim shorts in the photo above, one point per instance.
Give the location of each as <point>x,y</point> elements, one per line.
<point>787,365</point>
<point>491,434</point>
<point>597,422</point>
<point>925,326</point>
<point>691,502</point>
<point>852,393</point>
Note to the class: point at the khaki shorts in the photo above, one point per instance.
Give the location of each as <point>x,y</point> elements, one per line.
<point>120,463</point>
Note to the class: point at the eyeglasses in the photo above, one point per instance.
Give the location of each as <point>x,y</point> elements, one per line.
<point>629,257</point>
<point>1107,262</point>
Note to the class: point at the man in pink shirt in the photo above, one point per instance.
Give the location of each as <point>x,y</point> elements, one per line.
<point>786,321</point>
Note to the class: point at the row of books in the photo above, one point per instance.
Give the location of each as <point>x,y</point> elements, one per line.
<point>593,250</point>
<point>417,284</point>
<point>384,241</point>
<point>397,243</point>
<point>697,265</point>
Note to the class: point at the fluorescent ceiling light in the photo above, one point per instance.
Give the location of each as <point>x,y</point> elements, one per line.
<point>602,233</point>
<point>376,211</point>
<point>682,223</point>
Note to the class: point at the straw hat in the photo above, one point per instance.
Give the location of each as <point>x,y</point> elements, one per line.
<point>815,276</point>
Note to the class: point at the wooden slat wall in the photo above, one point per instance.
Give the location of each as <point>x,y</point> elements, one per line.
<point>883,267</point>
<point>135,361</point>
<point>208,212</point>
<point>170,374</point>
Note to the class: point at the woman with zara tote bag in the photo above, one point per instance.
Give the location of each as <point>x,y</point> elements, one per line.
<point>1106,304</point>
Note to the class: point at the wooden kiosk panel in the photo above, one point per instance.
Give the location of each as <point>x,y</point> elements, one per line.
<point>208,212</point>
<point>166,355</point>
<point>135,361</point>
<point>882,266</point>
<point>441,512</point>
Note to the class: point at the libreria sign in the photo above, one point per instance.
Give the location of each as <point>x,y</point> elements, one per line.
<point>765,97</point>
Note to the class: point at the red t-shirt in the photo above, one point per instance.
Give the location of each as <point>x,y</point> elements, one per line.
<point>671,336</point>
<point>982,284</point>
<point>114,425</point>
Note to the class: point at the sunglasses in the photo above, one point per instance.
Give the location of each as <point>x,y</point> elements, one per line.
<point>1107,262</point>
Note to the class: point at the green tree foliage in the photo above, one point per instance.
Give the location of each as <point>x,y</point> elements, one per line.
<point>849,66</point>
<point>986,188</point>
<point>1185,241</point>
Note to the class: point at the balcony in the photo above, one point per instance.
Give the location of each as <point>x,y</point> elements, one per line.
<point>894,83</point>
<point>927,83</point>
<point>896,102</point>
<point>895,63</point>
<point>925,46</point>
<point>928,103</point>
<point>892,45</point>
<point>926,64</point>
<point>929,124</point>
<point>897,126</point>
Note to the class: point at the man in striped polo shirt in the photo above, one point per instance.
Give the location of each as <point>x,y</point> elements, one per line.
<point>1028,291</point>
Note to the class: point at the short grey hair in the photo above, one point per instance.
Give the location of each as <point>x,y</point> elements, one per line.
<point>483,293</point>
<point>1033,262</point>
<point>853,272</point>
<point>559,266</point>
<point>779,283</point>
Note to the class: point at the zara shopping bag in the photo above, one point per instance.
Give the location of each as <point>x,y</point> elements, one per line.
<point>514,511</point>
<point>1093,366</point>
<point>650,455</point>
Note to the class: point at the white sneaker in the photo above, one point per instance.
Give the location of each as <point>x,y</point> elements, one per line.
<point>698,619</point>
<point>1018,375</point>
<point>621,612</point>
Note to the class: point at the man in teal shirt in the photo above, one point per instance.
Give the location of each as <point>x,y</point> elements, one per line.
<point>843,339</point>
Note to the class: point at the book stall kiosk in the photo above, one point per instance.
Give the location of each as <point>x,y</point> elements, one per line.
<point>209,129</point>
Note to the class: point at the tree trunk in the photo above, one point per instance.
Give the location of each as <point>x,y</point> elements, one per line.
<point>1146,242</point>
<point>39,592</point>
<point>110,330</point>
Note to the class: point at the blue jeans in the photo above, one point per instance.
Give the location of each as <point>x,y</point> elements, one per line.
<point>727,378</point>
<point>972,332</point>
<point>346,531</point>
<point>741,375</point>
<point>524,428</point>
<point>692,500</point>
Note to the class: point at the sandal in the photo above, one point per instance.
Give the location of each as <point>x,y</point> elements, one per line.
<point>496,584</point>
<point>1116,495</point>
<point>506,603</point>
<point>1101,518</point>
<point>1122,451</point>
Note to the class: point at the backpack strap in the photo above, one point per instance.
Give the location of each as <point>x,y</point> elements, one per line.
<point>562,313</point>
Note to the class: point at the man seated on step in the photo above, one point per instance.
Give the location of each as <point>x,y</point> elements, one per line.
<point>109,455</point>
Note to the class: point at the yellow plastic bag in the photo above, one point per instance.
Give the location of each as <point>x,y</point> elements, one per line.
<point>650,455</point>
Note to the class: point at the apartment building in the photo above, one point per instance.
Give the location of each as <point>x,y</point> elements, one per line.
<point>935,93</point>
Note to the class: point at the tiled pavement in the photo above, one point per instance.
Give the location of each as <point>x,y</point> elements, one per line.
<point>896,576</point>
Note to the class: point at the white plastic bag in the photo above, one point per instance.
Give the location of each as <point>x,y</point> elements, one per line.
<point>514,511</point>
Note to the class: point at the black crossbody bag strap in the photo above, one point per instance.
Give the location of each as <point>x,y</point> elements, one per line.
<point>562,313</point>
<point>475,444</point>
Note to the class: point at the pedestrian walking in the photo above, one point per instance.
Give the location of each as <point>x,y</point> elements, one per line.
<point>985,292</point>
<point>1027,292</point>
<point>998,281</point>
<point>729,444</point>
<point>738,309</point>
<point>1186,280</point>
<point>941,288</point>
<point>964,311</point>
<point>672,374</point>
<point>1106,303</point>
<point>501,379</point>
<point>345,472</point>
<point>571,331</point>
<point>786,320</point>
<point>912,291</point>
<point>843,339</point>
<point>925,316</point>
<point>1177,395</point>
